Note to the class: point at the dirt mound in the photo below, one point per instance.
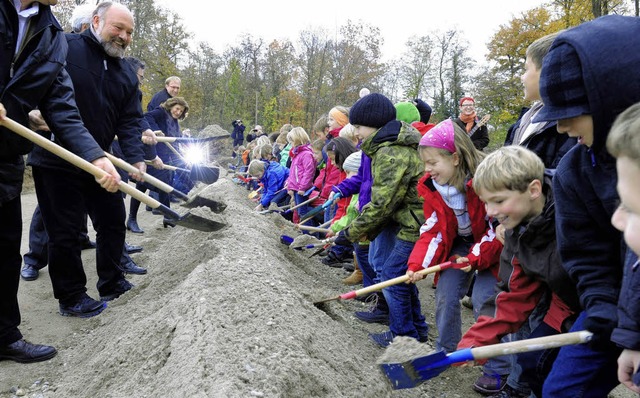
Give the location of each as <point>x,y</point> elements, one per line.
<point>222,314</point>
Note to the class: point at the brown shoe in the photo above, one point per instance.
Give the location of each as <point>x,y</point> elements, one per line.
<point>353,279</point>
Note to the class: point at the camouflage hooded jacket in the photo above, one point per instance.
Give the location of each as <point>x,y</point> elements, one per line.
<point>396,169</point>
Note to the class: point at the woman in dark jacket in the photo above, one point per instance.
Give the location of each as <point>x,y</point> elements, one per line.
<point>164,118</point>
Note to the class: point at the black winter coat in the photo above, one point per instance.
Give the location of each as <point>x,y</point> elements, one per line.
<point>480,137</point>
<point>107,95</point>
<point>36,78</point>
<point>546,142</point>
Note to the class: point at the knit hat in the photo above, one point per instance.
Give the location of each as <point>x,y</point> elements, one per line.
<point>373,110</point>
<point>441,136</point>
<point>352,162</point>
<point>339,117</point>
<point>562,86</point>
<point>407,112</point>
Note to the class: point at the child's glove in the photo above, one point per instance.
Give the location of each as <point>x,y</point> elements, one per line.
<point>341,238</point>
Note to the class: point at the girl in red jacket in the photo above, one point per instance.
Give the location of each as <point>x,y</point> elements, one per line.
<point>456,228</point>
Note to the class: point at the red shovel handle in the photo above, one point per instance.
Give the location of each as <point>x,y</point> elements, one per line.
<point>399,279</point>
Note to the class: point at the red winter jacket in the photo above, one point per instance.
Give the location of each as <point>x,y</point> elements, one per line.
<point>530,266</point>
<point>441,228</point>
<point>329,176</point>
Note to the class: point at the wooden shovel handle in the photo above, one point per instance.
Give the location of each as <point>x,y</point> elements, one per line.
<point>324,225</point>
<point>147,177</point>
<point>174,150</point>
<point>301,204</point>
<point>395,281</point>
<point>540,343</point>
<point>83,164</point>
<point>312,229</point>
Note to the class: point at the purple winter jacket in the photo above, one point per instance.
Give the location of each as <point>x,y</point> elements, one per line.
<point>303,168</point>
<point>359,183</point>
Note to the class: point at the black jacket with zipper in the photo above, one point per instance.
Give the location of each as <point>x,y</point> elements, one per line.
<point>34,77</point>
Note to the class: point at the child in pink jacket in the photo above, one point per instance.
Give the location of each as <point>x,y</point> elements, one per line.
<point>303,168</point>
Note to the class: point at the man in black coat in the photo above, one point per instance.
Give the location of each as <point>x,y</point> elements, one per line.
<point>29,78</point>
<point>107,94</point>
<point>171,89</point>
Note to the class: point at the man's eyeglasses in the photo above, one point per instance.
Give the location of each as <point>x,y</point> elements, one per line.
<point>467,105</point>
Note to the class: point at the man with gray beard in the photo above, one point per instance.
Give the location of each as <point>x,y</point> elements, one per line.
<point>107,96</point>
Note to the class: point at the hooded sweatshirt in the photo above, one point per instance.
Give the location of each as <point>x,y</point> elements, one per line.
<point>585,181</point>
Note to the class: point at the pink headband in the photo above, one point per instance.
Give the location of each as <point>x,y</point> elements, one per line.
<point>441,136</point>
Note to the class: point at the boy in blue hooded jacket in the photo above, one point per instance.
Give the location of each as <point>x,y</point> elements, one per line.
<point>589,76</point>
<point>272,175</point>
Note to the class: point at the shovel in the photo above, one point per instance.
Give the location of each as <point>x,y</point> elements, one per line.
<point>315,211</point>
<point>412,373</point>
<point>146,177</point>
<point>188,220</point>
<point>255,193</point>
<point>190,139</point>
<point>196,201</point>
<point>278,210</point>
<point>208,175</point>
<point>289,210</point>
<point>400,279</point>
<point>297,246</point>
<point>312,229</point>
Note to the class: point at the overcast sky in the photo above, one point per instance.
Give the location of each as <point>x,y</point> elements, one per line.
<point>222,23</point>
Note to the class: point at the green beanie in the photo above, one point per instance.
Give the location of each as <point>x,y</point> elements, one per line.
<point>407,112</point>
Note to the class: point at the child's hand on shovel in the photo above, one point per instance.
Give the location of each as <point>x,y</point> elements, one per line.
<point>460,260</point>
<point>414,277</point>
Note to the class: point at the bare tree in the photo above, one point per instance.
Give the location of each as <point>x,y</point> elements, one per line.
<point>417,67</point>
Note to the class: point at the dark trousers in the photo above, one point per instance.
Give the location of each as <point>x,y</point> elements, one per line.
<point>64,197</point>
<point>162,197</point>
<point>38,256</point>
<point>10,235</point>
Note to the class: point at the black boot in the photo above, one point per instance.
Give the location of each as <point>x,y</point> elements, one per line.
<point>132,225</point>
<point>168,223</point>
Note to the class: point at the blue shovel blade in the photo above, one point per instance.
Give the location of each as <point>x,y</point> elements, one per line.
<point>412,373</point>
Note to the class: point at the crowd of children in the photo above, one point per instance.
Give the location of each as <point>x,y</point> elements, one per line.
<point>545,228</point>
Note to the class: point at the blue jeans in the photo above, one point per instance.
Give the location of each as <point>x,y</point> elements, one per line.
<point>281,198</point>
<point>380,248</point>
<point>451,288</point>
<point>362,256</point>
<point>484,288</point>
<point>581,372</point>
<point>405,314</point>
<point>516,379</point>
<point>536,365</point>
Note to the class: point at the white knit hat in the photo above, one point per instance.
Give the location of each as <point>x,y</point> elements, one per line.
<point>352,162</point>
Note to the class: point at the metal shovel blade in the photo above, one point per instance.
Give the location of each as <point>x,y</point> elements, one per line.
<point>412,373</point>
<point>199,223</point>
<point>286,240</point>
<point>206,174</point>
<point>199,201</point>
